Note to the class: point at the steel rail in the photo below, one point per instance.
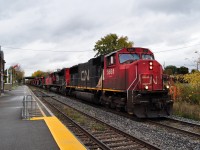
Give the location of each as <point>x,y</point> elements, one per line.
<point>99,143</point>
<point>193,134</point>
<point>142,142</point>
<point>183,122</point>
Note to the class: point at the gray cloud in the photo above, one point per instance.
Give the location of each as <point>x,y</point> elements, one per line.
<point>77,25</point>
<point>170,6</point>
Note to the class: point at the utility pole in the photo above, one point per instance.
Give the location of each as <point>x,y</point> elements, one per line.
<point>198,61</point>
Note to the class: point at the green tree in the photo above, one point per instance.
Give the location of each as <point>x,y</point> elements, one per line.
<point>110,43</point>
<point>170,70</point>
<point>194,70</point>
<point>182,70</point>
<point>39,73</point>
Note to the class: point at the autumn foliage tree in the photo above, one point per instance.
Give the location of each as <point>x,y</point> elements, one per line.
<point>110,43</point>
<point>39,73</point>
<point>17,73</point>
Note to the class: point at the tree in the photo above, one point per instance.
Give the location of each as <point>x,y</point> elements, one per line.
<point>194,70</point>
<point>17,73</point>
<point>170,69</point>
<point>39,73</point>
<point>110,43</point>
<point>182,70</point>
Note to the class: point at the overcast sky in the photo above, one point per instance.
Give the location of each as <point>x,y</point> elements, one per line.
<point>43,29</point>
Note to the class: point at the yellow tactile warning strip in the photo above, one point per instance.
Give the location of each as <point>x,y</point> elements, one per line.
<point>63,136</point>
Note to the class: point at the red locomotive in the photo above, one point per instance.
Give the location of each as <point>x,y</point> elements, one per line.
<point>129,79</point>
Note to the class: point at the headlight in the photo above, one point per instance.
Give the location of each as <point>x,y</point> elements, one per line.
<point>150,67</point>
<point>150,63</point>
<point>167,86</point>
<point>146,87</point>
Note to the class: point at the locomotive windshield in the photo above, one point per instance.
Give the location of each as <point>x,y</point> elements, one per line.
<point>147,56</point>
<point>128,57</point>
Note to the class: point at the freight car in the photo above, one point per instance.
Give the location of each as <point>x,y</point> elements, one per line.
<point>129,79</point>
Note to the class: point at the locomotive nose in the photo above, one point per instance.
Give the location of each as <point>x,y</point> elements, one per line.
<point>150,75</point>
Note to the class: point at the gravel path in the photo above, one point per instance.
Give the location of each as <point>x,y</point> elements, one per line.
<point>160,137</point>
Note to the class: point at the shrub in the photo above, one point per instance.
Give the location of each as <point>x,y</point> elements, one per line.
<point>188,93</point>
<point>187,102</point>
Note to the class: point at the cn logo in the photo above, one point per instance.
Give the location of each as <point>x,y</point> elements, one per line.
<point>85,75</point>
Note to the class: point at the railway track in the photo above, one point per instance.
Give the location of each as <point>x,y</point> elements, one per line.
<point>191,129</point>
<point>93,133</point>
<point>182,127</point>
<point>171,125</point>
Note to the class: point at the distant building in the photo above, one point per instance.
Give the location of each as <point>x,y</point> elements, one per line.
<point>2,66</point>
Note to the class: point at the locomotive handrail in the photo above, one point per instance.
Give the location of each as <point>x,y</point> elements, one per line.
<point>133,81</point>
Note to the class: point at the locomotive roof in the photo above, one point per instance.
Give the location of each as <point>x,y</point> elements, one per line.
<point>148,51</point>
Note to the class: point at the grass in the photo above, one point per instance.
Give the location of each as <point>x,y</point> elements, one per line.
<point>82,120</point>
<point>186,110</point>
<point>76,116</point>
<point>98,127</point>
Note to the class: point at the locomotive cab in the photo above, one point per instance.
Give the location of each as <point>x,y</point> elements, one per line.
<point>146,95</point>
<point>134,71</point>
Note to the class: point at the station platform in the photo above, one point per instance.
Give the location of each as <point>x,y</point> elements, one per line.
<point>40,133</point>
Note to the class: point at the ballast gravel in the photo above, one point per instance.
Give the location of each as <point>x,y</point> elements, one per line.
<point>160,137</point>
<point>185,119</point>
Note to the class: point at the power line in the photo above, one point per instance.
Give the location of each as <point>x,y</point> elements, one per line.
<point>91,50</point>
<point>177,48</point>
<point>42,50</point>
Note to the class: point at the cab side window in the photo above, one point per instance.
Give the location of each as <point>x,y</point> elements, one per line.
<point>111,60</point>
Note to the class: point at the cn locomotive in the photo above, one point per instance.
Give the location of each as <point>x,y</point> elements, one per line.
<point>128,79</point>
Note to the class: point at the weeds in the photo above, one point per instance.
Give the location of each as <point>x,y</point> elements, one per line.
<point>187,102</point>
<point>98,127</point>
<point>82,120</point>
<point>187,110</point>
